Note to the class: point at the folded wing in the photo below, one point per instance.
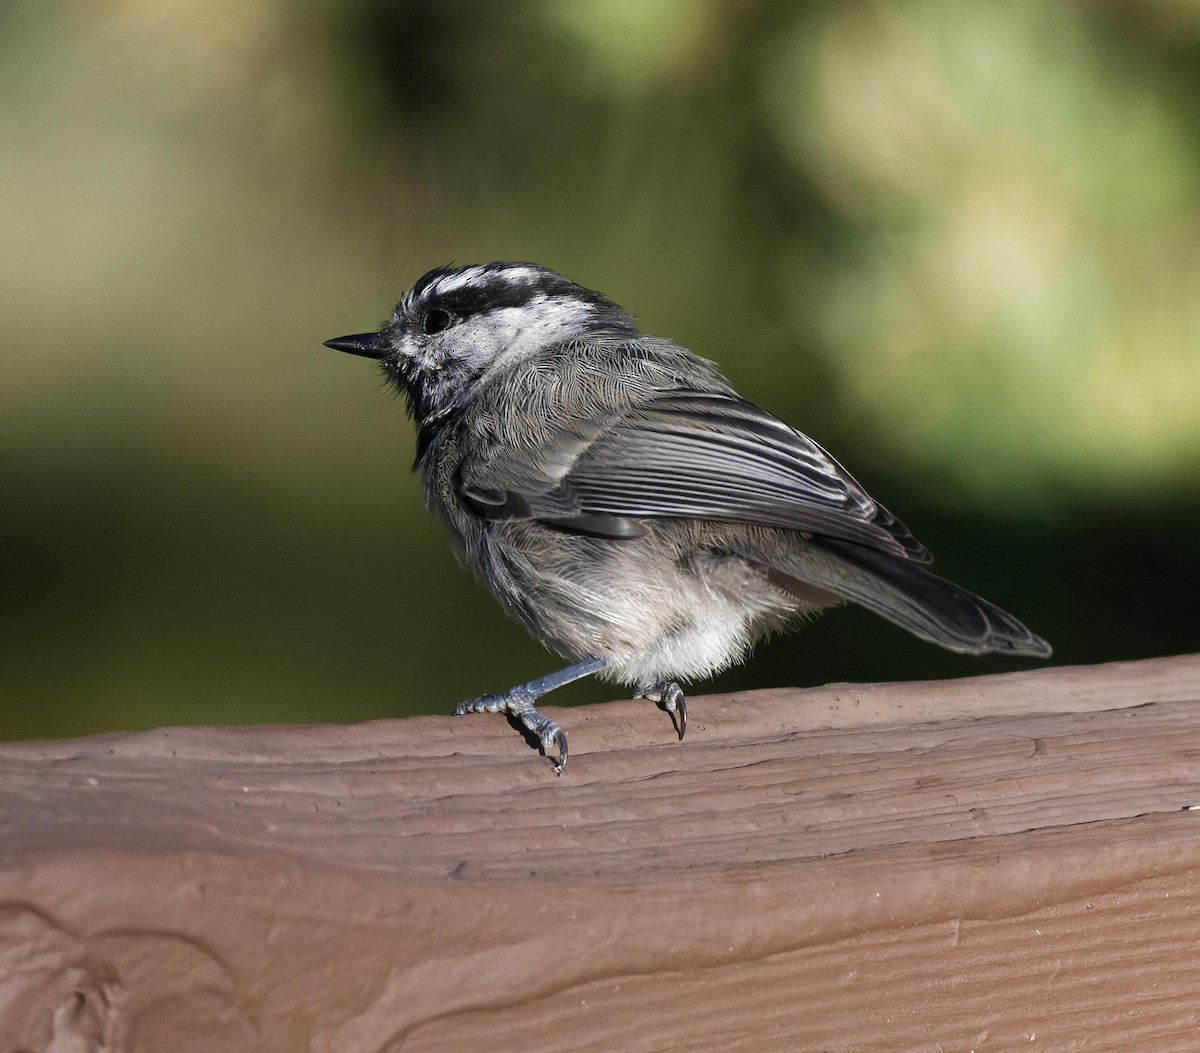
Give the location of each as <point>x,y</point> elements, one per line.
<point>695,455</point>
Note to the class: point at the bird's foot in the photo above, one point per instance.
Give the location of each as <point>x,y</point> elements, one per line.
<point>518,704</point>
<point>668,695</point>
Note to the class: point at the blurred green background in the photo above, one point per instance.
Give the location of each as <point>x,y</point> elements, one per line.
<point>959,244</point>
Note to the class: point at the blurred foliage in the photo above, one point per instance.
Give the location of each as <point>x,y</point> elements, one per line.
<point>956,243</point>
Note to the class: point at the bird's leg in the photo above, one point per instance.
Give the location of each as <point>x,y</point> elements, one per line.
<point>669,696</point>
<point>517,702</point>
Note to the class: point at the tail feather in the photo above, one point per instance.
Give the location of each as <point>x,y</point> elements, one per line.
<point>930,607</point>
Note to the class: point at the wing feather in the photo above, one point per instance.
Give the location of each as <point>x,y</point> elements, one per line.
<point>697,455</point>
<point>715,456</point>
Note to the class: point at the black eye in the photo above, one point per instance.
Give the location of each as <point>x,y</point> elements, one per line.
<point>436,320</point>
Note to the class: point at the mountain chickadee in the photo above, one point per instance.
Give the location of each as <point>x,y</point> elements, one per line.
<point>625,505</point>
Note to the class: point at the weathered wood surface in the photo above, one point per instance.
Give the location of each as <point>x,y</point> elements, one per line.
<point>986,864</point>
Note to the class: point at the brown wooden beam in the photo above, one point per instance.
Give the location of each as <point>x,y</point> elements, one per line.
<point>994,863</point>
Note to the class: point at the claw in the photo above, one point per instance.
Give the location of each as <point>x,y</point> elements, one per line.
<point>681,712</point>
<point>518,705</point>
<point>673,702</point>
<point>669,696</point>
<point>554,735</point>
<point>549,734</point>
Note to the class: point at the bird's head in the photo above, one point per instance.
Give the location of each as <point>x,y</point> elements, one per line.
<point>458,325</point>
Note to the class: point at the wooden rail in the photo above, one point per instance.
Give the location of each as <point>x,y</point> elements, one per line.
<point>994,863</point>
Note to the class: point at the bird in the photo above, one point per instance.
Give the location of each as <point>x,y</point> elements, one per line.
<point>626,505</point>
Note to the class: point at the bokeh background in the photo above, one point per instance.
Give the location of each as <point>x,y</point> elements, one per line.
<point>959,244</point>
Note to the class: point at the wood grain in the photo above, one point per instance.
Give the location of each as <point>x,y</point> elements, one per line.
<point>992,863</point>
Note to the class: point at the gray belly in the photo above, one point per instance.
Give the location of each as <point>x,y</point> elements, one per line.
<point>670,605</point>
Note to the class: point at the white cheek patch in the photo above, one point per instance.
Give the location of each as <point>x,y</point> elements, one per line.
<point>507,333</point>
<point>538,323</point>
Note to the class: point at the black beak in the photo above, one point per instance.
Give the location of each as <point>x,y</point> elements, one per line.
<point>369,345</point>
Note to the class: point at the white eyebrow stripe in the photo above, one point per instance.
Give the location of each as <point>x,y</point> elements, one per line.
<point>450,282</point>
<point>471,275</point>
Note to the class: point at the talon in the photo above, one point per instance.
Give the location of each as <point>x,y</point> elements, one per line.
<point>554,735</point>
<point>517,704</point>
<point>667,696</point>
<point>674,702</point>
<point>550,736</point>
